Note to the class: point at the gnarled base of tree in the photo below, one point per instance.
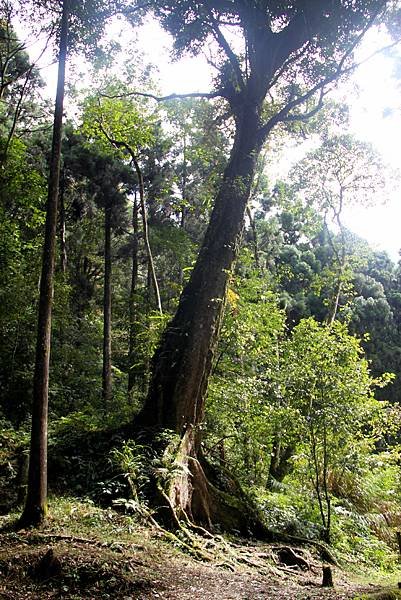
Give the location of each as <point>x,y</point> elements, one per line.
<point>203,495</point>
<point>188,493</point>
<point>206,498</point>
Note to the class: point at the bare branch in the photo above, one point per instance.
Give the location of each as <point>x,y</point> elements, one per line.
<point>225,46</point>
<point>164,98</point>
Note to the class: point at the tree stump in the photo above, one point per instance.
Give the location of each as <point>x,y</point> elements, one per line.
<point>327,577</point>
<point>48,566</point>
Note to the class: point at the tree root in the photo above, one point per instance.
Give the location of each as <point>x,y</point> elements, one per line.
<point>190,546</point>
<point>290,558</point>
<point>30,537</point>
<point>193,496</point>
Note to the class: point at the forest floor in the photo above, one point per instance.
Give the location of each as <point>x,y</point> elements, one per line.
<point>84,552</point>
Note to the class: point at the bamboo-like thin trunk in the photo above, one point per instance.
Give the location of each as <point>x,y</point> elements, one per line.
<point>133,316</point>
<point>63,246</point>
<point>184,184</point>
<point>151,264</point>
<point>254,237</point>
<point>106,375</point>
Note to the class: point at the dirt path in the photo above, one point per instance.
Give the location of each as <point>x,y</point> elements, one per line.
<point>90,568</point>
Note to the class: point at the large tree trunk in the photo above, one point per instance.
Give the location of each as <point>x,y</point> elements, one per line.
<point>36,501</point>
<point>182,364</point>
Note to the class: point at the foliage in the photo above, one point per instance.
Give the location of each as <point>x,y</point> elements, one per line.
<point>292,407</point>
<point>245,367</point>
<point>328,382</point>
<point>22,191</point>
<point>108,121</point>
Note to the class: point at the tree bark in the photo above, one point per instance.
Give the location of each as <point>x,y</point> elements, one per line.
<point>133,316</point>
<point>36,501</point>
<point>63,245</point>
<point>106,376</point>
<point>182,363</point>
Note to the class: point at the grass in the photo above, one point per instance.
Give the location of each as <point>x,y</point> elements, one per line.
<point>99,553</point>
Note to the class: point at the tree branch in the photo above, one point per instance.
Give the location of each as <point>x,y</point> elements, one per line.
<point>209,95</point>
<point>339,72</point>
<point>225,46</point>
<point>291,59</point>
<point>127,147</point>
<point>283,115</point>
<point>307,115</point>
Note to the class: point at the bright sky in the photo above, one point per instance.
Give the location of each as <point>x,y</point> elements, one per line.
<point>378,91</point>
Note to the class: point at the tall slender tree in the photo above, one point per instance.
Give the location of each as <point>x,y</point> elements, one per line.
<point>36,501</point>
<point>106,375</point>
<point>80,26</point>
<point>342,172</point>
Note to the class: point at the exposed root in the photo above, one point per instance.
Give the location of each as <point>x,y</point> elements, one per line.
<point>191,545</point>
<point>31,537</point>
<point>325,553</point>
<point>287,555</point>
<point>193,496</point>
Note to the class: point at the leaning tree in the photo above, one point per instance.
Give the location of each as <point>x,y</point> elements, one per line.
<point>276,61</point>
